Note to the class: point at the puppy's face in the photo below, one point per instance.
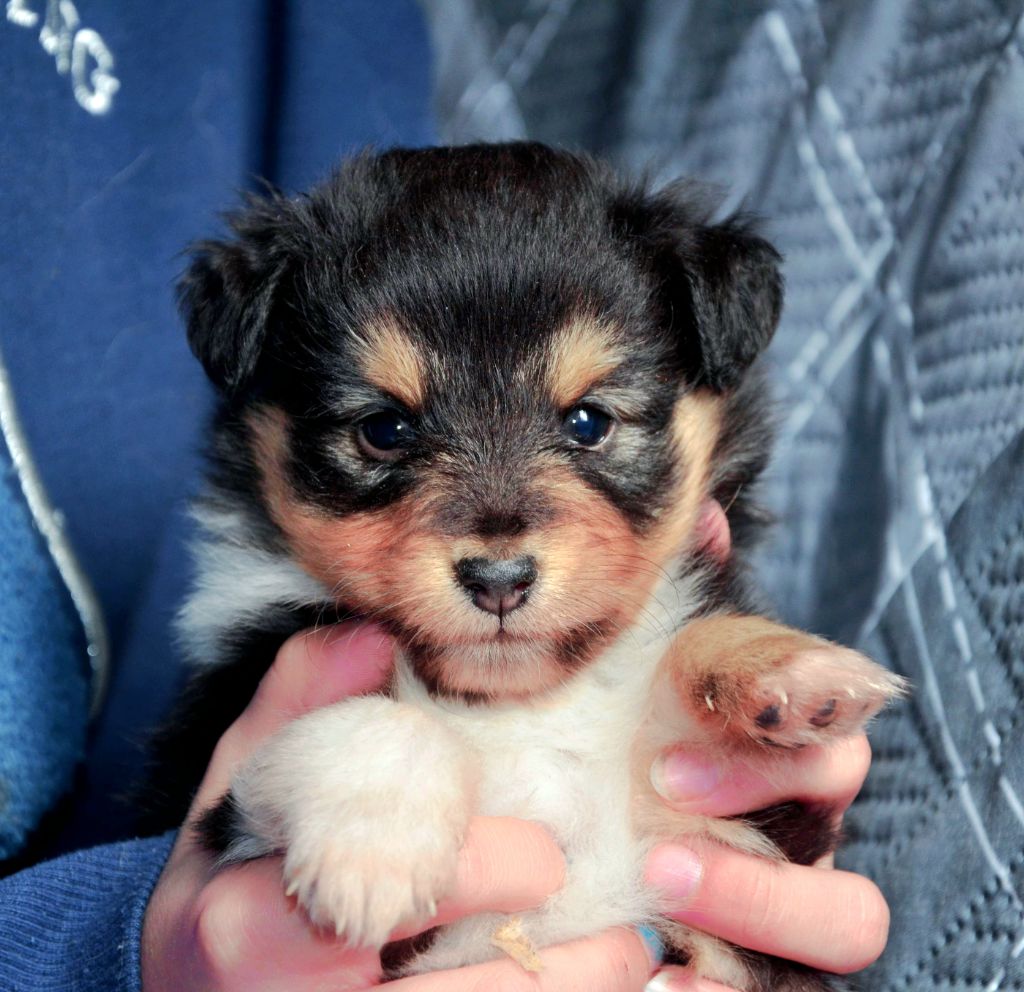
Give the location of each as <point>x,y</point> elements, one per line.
<point>506,511</point>
<point>481,392</point>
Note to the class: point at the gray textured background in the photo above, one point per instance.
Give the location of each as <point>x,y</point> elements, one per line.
<point>883,140</point>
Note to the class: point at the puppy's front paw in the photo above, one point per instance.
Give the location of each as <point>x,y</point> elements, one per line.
<point>801,691</point>
<point>369,801</point>
<point>374,870</point>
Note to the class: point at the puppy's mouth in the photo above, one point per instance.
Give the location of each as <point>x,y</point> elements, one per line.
<point>504,665</point>
<point>502,635</point>
<point>499,637</point>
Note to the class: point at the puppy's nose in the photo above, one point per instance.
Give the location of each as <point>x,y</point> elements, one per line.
<point>500,586</point>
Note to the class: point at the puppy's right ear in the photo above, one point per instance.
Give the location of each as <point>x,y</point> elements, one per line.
<point>228,292</point>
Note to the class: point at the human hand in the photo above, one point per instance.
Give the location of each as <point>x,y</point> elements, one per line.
<point>835,921</point>
<point>235,929</point>
<point>832,920</point>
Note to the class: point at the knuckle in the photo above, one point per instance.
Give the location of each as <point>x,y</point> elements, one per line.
<point>219,929</point>
<point>842,769</point>
<point>296,649</point>
<point>230,752</point>
<point>544,855</point>
<point>764,904</point>
<point>502,979</point>
<point>858,760</point>
<point>509,864</point>
<point>868,925</point>
<point>620,957</point>
<point>230,747</point>
<point>475,874</point>
<point>275,686</point>
<point>288,673</point>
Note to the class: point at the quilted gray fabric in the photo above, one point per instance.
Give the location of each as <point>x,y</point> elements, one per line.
<point>884,142</point>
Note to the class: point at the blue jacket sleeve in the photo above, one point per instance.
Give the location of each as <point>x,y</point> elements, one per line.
<point>74,924</point>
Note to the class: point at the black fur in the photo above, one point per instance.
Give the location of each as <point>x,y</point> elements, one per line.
<point>772,974</point>
<point>555,234</point>
<point>719,284</point>
<point>804,833</point>
<point>220,825</point>
<point>228,293</point>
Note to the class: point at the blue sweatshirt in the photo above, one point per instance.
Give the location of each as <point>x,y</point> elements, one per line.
<point>74,923</point>
<point>126,127</point>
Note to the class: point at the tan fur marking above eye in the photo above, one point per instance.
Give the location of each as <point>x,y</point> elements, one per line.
<point>583,352</point>
<point>389,359</point>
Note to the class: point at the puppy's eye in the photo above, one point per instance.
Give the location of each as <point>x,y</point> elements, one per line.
<point>587,426</point>
<point>385,435</point>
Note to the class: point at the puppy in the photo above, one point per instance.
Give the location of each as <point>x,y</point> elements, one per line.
<point>480,396</point>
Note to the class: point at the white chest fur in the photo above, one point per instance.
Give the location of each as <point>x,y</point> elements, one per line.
<point>565,763</point>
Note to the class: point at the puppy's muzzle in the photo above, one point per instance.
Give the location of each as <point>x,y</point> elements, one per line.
<point>497,586</point>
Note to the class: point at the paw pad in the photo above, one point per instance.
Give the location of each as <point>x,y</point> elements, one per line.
<point>826,714</point>
<point>771,717</point>
<point>808,695</point>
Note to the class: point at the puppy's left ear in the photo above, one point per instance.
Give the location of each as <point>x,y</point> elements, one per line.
<point>719,285</point>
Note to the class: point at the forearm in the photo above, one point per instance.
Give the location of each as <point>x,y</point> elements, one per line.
<point>74,924</point>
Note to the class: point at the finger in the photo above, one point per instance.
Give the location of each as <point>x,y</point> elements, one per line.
<point>316,668</point>
<point>714,536</point>
<point>249,936</point>
<point>615,961</point>
<point>828,919</point>
<point>248,929</point>
<point>696,782</point>
<point>505,866</point>
<point>682,980</point>
<point>313,669</point>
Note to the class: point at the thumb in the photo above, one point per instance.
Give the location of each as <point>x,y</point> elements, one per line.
<point>313,669</point>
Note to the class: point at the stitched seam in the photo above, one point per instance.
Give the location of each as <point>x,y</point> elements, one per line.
<point>961,230</point>
<point>880,78</point>
<point>930,365</point>
<point>979,390</point>
<point>989,892</point>
<point>50,523</point>
<point>973,578</point>
<point>971,430</point>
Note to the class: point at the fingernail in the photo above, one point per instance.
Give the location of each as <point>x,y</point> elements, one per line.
<point>653,943</point>
<point>680,777</point>
<point>676,870</point>
<point>713,530</point>
<point>663,982</point>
